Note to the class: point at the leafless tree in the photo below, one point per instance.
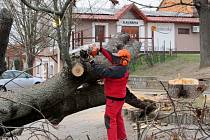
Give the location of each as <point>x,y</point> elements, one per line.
<point>31,29</point>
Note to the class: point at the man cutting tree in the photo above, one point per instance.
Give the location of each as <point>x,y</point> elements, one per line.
<point>115,80</point>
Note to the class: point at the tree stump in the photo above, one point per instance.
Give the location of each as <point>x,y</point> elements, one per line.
<point>185,87</point>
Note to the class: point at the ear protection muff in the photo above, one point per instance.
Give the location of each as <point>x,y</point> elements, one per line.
<point>124,61</point>
<point>124,57</point>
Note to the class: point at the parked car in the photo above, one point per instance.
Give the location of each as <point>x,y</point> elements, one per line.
<point>23,80</point>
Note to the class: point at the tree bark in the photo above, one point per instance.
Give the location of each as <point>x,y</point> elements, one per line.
<point>203,8</point>
<point>5,27</point>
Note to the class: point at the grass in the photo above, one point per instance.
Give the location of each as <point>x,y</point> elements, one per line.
<point>189,57</point>
<point>180,63</point>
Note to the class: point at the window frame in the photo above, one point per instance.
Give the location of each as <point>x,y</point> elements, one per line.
<point>106,31</point>
<point>97,35</point>
<point>183,31</point>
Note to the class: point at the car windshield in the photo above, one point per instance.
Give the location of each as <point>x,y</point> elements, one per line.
<point>21,74</point>
<point>7,75</point>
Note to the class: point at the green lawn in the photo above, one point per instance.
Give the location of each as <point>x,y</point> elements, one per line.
<point>180,63</point>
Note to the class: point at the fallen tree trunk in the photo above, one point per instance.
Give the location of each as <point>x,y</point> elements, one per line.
<point>54,99</point>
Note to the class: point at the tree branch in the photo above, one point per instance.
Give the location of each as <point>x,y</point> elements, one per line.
<point>172,5</point>
<point>42,9</point>
<point>47,10</point>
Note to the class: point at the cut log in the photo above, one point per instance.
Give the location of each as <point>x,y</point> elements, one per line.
<point>77,69</point>
<point>185,87</point>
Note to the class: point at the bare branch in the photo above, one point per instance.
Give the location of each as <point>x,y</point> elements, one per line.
<point>47,10</point>
<point>172,5</point>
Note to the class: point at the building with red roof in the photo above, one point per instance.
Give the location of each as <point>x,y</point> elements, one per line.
<point>173,31</point>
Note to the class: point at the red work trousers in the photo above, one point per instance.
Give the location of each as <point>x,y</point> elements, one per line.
<point>114,120</point>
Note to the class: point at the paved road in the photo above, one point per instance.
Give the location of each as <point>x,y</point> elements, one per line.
<point>89,122</point>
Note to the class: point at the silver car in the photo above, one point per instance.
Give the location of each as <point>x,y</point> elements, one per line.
<point>22,80</point>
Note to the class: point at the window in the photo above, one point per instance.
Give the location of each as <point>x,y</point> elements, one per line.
<point>21,74</point>
<point>99,33</point>
<point>28,75</point>
<point>183,31</point>
<point>7,75</point>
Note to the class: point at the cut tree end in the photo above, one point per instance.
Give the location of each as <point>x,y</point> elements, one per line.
<point>77,70</point>
<point>184,81</point>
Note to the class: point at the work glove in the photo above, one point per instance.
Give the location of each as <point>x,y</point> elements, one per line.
<point>94,50</point>
<point>148,106</point>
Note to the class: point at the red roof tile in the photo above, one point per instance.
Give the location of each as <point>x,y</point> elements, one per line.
<point>173,19</point>
<point>140,14</point>
<point>116,16</point>
<point>96,17</point>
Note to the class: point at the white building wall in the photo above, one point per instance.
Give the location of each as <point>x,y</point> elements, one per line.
<point>164,37</point>
<point>47,66</point>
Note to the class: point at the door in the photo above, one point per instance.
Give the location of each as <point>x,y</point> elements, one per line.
<point>133,31</point>
<point>99,33</point>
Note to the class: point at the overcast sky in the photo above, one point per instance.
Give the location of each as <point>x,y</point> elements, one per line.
<point>106,3</point>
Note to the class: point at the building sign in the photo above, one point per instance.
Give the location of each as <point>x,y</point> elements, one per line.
<point>130,22</point>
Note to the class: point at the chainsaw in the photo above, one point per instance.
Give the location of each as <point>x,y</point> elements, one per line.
<point>86,51</point>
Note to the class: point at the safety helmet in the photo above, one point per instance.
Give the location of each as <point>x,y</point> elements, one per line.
<point>125,56</point>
